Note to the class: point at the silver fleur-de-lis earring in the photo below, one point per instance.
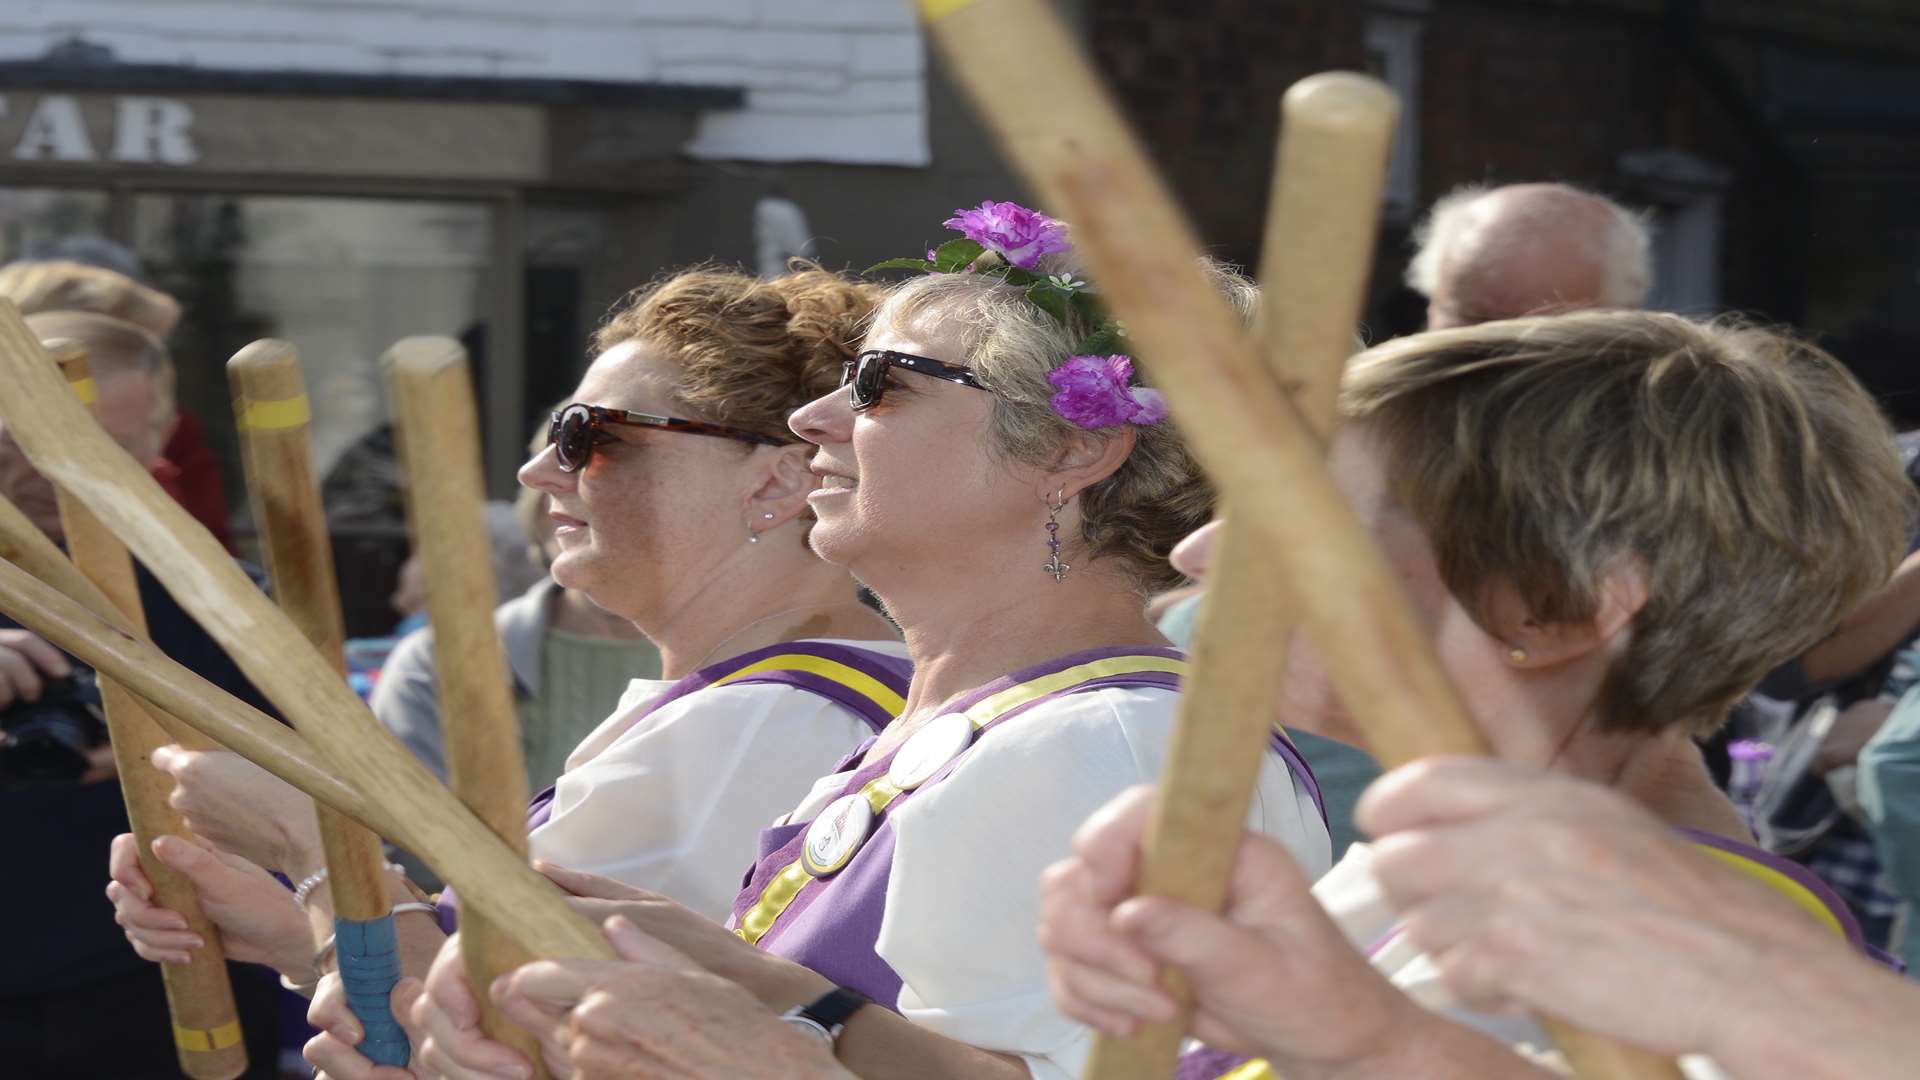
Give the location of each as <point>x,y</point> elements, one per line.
<point>1053,565</point>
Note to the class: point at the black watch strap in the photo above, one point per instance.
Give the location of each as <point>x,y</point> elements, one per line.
<point>832,1009</point>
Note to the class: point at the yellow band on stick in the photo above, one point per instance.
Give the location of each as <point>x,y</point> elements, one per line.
<point>278,415</point>
<point>206,1040</point>
<point>939,9</point>
<point>83,389</point>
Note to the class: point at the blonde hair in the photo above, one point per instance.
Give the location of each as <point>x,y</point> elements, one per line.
<point>749,351</point>
<point>1743,471</point>
<point>116,347</point>
<point>61,285</point>
<point>1156,497</point>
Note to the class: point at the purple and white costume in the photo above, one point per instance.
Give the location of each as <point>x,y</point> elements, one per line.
<point>923,893</point>
<point>670,791</point>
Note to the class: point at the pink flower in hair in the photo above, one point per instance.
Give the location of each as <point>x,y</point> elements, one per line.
<point>1018,234</point>
<point>1094,392</point>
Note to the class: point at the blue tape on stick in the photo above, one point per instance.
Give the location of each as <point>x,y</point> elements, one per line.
<point>369,966</point>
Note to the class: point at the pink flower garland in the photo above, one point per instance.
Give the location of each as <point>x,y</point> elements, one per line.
<point>1018,234</point>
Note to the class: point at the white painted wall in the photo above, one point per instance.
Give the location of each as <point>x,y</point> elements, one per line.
<point>826,80</point>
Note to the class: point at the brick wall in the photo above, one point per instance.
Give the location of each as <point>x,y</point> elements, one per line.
<point>1202,79</point>
<point>826,80</point>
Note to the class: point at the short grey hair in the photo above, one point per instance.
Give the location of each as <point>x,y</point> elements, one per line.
<point>1157,496</point>
<point>1623,250</point>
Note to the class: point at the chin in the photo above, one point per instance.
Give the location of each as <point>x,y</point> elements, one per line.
<point>831,542</point>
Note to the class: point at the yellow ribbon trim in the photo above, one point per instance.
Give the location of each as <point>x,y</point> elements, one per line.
<point>206,1040</point>
<point>850,677</point>
<point>83,389</point>
<point>1253,1070</point>
<point>940,9</point>
<point>278,415</point>
<point>785,886</point>
<point>1780,883</point>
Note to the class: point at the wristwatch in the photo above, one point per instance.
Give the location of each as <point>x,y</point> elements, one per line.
<point>824,1018</point>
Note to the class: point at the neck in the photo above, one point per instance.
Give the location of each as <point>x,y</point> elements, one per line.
<point>779,597</point>
<point>573,613</point>
<point>963,632</point>
<point>1662,772</point>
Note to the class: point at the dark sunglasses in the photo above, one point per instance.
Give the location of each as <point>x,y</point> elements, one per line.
<point>865,376</point>
<point>578,428</point>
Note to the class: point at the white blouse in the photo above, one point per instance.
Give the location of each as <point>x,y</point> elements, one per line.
<point>963,898</point>
<point>676,802</point>
<point>1352,896</point>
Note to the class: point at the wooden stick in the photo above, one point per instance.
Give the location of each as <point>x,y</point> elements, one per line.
<point>70,611</point>
<point>439,437</point>
<point>52,428</point>
<point>1084,161</point>
<point>1329,170</point>
<point>206,1025</point>
<point>143,669</point>
<point>270,405</point>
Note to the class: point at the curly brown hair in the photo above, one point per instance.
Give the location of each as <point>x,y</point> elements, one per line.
<point>749,350</point>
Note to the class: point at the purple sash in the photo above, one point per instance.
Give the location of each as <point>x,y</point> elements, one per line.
<point>832,923</point>
<point>892,672</point>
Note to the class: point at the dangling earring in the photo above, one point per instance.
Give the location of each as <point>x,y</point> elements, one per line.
<point>1054,566</point>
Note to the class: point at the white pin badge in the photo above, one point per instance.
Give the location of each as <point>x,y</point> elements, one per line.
<point>836,834</point>
<point>926,750</point>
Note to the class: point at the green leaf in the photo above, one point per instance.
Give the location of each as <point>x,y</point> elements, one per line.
<point>1051,299</point>
<point>1013,275</point>
<point>954,255</point>
<point>901,264</point>
<point>1105,341</point>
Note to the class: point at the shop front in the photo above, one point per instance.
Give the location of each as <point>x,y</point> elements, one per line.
<point>343,213</point>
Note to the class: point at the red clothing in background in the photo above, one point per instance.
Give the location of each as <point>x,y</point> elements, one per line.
<point>191,474</point>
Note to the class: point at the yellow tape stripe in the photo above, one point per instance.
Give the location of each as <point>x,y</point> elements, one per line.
<point>850,677</point>
<point>940,9</point>
<point>1253,1070</point>
<point>785,886</point>
<point>278,415</point>
<point>1780,883</point>
<point>206,1040</point>
<point>83,389</point>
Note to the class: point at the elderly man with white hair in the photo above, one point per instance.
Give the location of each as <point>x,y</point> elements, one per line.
<point>1502,252</point>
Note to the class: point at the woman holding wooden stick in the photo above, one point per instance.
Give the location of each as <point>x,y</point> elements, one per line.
<point>680,504</point>
<point>993,471</point>
<point>1612,524</point>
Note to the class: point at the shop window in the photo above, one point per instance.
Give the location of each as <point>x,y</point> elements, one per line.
<point>342,279</point>
<point>43,222</point>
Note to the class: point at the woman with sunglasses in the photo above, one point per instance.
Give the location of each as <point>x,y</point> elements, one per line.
<point>997,477</point>
<point>679,501</point>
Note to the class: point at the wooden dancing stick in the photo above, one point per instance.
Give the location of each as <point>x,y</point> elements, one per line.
<point>109,648</point>
<point>53,430</point>
<point>206,1025</point>
<point>1329,171</point>
<point>1082,158</point>
<point>439,437</point>
<point>270,405</point>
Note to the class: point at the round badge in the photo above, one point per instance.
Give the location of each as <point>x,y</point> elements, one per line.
<point>926,750</point>
<point>836,834</point>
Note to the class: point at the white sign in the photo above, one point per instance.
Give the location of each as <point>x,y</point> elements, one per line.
<point>146,131</point>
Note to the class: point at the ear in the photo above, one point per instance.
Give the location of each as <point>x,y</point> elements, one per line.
<point>1534,644</point>
<point>784,482</point>
<point>1086,462</point>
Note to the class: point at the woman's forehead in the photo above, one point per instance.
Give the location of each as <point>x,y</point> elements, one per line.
<point>921,333</point>
<point>630,376</point>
